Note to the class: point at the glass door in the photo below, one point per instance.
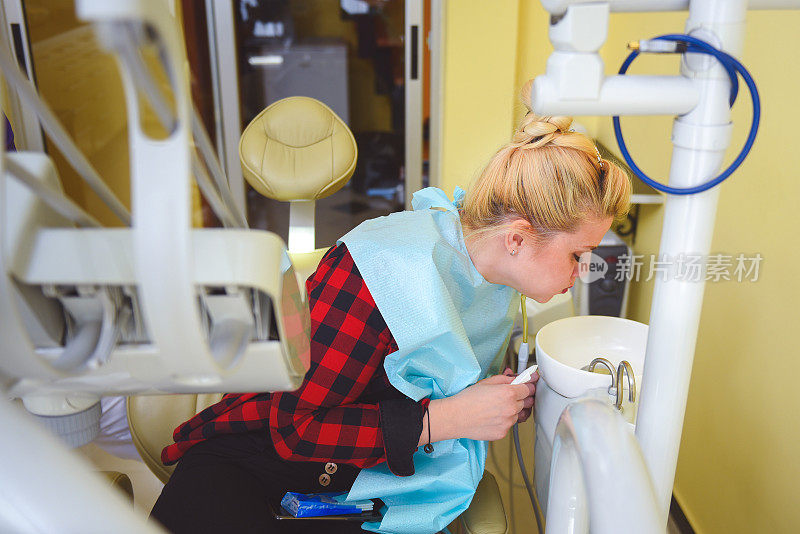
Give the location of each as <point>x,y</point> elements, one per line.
<point>375,63</point>
<point>366,60</point>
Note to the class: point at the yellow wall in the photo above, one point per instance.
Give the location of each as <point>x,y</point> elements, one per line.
<point>738,466</point>
<point>491,50</point>
<point>479,85</point>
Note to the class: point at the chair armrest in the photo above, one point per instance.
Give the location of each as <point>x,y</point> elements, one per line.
<point>486,514</point>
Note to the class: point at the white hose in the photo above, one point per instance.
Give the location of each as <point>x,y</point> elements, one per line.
<point>59,202</point>
<point>522,364</point>
<point>537,511</point>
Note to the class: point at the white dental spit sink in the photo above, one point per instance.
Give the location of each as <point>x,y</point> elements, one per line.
<point>562,348</point>
<point>566,345</point>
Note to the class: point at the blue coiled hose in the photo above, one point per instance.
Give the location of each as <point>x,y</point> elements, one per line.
<point>732,66</point>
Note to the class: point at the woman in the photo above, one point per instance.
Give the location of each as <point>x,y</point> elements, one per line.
<point>365,403</point>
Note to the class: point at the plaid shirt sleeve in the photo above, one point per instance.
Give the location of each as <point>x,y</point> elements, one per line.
<point>345,410</point>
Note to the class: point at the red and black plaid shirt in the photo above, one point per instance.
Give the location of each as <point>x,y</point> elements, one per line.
<point>346,410</point>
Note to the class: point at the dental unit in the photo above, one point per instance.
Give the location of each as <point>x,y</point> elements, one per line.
<point>158,307</point>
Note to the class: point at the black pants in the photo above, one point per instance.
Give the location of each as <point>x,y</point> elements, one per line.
<point>224,484</point>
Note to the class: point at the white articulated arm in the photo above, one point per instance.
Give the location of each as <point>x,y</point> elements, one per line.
<point>700,96</point>
<point>598,467</point>
<point>575,82</point>
<point>160,188</point>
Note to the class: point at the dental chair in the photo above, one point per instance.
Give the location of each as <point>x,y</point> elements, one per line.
<point>296,150</point>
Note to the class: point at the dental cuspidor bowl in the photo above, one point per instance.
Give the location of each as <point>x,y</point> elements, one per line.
<point>566,345</point>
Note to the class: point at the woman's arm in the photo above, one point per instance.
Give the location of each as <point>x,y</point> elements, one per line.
<point>483,411</point>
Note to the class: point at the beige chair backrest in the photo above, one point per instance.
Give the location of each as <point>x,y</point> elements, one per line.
<point>297,149</point>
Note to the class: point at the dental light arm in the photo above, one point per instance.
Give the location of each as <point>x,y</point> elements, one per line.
<point>173,309</point>
<point>157,307</point>
<point>126,39</point>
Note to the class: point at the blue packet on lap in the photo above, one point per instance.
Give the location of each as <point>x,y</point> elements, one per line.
<point>321,504</point>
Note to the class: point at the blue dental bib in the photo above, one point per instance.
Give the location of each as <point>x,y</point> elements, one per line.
<point>451,327</point>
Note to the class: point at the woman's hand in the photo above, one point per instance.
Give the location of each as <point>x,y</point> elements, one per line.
<point>483,411</point>
<point>528,410</point>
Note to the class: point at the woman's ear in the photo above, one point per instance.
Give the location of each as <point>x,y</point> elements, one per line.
<point>518,233</point>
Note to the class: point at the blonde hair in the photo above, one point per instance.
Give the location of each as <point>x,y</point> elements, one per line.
<point>548,175</point>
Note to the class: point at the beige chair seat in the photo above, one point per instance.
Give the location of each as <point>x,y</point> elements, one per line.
<point>152,418</point>
<point>120,482</point>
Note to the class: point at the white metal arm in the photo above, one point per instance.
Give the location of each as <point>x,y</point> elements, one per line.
<point>47,488</point>
<point>596,455</point>
<point>158,304</point>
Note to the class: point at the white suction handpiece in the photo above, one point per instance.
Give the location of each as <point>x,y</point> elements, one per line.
<point>525,376</point>
<point>522,357</point>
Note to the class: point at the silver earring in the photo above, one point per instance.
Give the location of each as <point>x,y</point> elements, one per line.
<point>513,252</point>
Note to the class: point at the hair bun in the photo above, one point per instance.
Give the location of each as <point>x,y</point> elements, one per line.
<point>537,128</point>
<point>534,126</point>
<point>525,94</point>
<point>540,130</point>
